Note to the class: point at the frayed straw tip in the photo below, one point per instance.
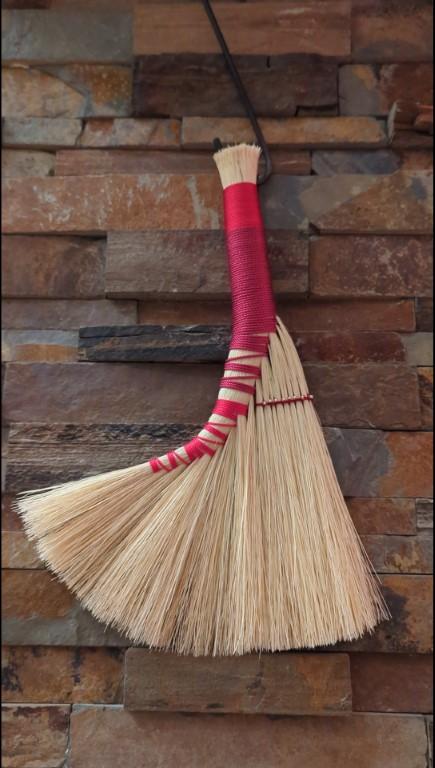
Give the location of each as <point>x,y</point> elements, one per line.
<point>237,163</point>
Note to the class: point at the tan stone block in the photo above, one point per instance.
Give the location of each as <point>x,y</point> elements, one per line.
<point>17,163</point>
<point>156,133</point>
<point>18,551</point>
<point>66,314</point>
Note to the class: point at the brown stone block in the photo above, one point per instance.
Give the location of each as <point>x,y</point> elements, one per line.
<point>63,36</point>
<point>294,132</point>
<point>372,90</point>
<point>370,463</point>
<point>18,163</point>
<point>280,684</point>
<point>42,132</point>
<point>263,28</point>
<point>350,347</point>
<point>52,267</point>
<point>410,600</point>
<point>10,520</point>
<point>383,516</point>
<point>183,85</point>
<point>39,610</point>
<point>400,554</point>
<point>400,203</point>
<point>310,315</point>
<point>34,736</point>
<point>159,134</point>
<point>352,395</point>
<point>18,551</point>
<point>95,204</point>
<point>69,314</point>
<point>62,675</point>
<point>114,736</point>
<point>391,682</point>
<point>416,160</point>
<point>194,263</point>
<point>95,162</point>
<point>391,32</point>
<point>77,90</point>
<point>425,379</point>
<point>366,395</point>
<point>410,472</point>
<point>376,266</point>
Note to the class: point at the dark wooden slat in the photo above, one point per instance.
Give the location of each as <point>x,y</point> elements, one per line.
<point>191,84</point>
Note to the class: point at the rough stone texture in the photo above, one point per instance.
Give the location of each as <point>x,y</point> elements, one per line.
<point>391,32</point>
<point>112,736</point>
<point>192,85</point>
<point>169,264</point>
<point>365,460</point>
<point>366,395</point>
<point>400,554</point>
<point>68,314</point>
<point>280,684</point>
<point>39,610</point>
<point>424,514</point>
<point>409,630</point>
<point>416,160</point>
<point>370,90</point>
<point>391,682</point>
<point>309,315</point>
<point>99,203</point>
<point>375,266</point>
<point>36,36</point>
<point>371,463</point>
<point>62,675</point>
<point>52,267</point>
<point>34,736</point>
<point>41,132</point>
<point>383,516</point>
<point>398,203</point>
<point>429,727</point>
<point>424,314</point>
<point>77,90</point>
<point>39,346</point>
<point>159,134</point>
<point>103,161</point>
<point>297,132</point>
<point>329,163</point>
<point>17,163</point>
<point>263,28</point>
<point>18,551</point>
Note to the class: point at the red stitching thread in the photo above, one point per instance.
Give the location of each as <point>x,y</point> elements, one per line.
<point>284,401</point>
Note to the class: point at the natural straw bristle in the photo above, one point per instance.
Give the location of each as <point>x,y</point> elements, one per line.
<point>251,548</point>
<point>237,164</point>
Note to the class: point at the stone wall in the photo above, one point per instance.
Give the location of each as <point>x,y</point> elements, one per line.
<point>112,224</point>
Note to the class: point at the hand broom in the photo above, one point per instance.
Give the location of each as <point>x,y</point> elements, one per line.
<point>239,540</point>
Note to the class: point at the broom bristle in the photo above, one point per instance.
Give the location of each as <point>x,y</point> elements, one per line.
<point>251,548</point>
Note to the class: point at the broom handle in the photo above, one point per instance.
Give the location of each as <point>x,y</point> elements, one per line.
<point>253,306</point>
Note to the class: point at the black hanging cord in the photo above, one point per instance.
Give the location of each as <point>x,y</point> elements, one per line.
<point>244,98</point>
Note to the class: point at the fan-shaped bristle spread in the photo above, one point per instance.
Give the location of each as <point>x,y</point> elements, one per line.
<point>251,548</point>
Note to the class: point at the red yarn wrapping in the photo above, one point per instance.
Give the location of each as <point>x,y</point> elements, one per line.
<point>253,310</point>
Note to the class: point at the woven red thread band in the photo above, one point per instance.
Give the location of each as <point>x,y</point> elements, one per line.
<point>253,316</point>
<point>286,400</point>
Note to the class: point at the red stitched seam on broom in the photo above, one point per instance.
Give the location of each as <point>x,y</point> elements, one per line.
<point>253,315</point>
<point>284,401</point>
